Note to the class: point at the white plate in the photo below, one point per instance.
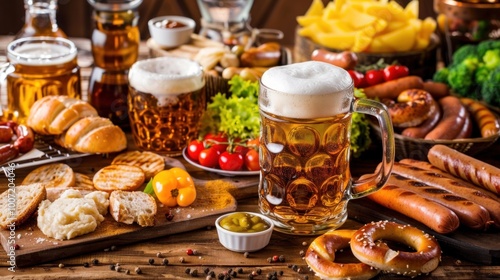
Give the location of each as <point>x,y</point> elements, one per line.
<point>219,171</point>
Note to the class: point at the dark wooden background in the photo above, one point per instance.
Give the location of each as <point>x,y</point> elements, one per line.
<point>74,16</point>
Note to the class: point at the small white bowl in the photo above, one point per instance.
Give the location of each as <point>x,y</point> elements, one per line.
<point>244,241</point>
<point>171,37</point>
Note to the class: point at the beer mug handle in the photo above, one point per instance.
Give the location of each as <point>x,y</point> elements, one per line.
<point>5,69</point>
<point>373,182</point>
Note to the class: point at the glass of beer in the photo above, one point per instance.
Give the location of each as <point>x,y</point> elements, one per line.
<point>305,180</point>
<point>165,102</point>
<point>41,66</point>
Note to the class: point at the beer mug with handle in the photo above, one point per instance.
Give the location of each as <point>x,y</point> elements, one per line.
<point>305,181</point>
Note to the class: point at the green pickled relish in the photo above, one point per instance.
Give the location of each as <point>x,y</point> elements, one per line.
<point>243,222</point>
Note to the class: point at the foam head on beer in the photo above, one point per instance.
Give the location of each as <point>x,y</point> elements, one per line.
<point>166,76</point>
<point>306,90</point>
<point>41,53</point>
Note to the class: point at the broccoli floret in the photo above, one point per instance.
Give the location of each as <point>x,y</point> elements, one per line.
<point>441,75</point>
<point>464,52</point>
<point>461,77</point>
<point>492,58</point>
<point>490,91</point>
<point>484,46</point>
<point>482,73</point>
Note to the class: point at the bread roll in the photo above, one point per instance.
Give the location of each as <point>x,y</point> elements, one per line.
<point>95,135</point>
<point>129,207</point>
<point>52,115</point>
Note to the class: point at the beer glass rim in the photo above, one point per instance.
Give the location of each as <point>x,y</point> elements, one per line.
<point>164,76</point>
<point>16,56</point>
<point>114,5</point>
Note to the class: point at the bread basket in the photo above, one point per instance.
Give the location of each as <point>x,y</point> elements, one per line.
<point>415,148</point>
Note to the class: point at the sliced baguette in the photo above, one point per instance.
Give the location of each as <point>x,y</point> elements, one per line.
<point>54,175</point>
<point>129,207</point>
<point>149,162</point>
<point>27,198</point>
<point>95,135</point>
<point>52,115</point>
<point>83,184</point>
<point>119,177</point>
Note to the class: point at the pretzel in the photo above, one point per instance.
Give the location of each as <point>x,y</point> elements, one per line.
<point>412,108</point>
<point>368,247</point>
<point>320,257</point>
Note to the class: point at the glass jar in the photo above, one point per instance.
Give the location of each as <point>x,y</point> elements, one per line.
<point>40,19</point>
<point>115,47</point>
<point>466,22</point>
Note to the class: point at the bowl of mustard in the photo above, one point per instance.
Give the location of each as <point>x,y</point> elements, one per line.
<point>244,231</point>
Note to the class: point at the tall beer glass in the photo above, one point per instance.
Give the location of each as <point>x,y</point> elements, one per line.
<point>305,180</point>
<point>42,66</point>
<point>165,102</point>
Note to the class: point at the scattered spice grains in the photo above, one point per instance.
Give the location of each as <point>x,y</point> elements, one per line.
<point>138,270</point>
<point>95,261</point>
<point>151,261</point>
<point>86,264</point>
<point>246,254</point>
<point>61,265</point>
<point>164,261</point>
<point>159,255</point>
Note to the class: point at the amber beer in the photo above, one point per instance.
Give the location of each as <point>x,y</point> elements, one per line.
<point>41,66</point>
<point>305,147</point>
<point>165,102</point>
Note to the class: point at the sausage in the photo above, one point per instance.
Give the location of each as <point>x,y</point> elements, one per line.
<point>466,167</point>
<point>265,55</point>
<point>346,59</point>
<point>391,89</point>
<point>452,121</point>
<point>408,203</point>
<point>453,185</point>
<point>6,134</point>
<point>482,193</point>
<point>11,124</point>
<point>8,152</point>
<point>487,121</point>
<point>425,127</point>
<point>436,89</point>
<point>25,138</point>
<point>466,131</point>
<point>469,213</point>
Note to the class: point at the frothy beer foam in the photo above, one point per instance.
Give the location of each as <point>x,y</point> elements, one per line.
<point>39,54</point>
<point>166,76</point>
<point>306,90</point>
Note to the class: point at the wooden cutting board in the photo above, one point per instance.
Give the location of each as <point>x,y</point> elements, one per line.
<point>475,246</point>
<point>36,248</point>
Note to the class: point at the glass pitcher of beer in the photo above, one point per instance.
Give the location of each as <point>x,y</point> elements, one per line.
<point>40,66</point>
<point>305,180</point>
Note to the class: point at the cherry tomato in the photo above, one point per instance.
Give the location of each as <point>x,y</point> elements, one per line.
<point>174,187</point>
<point>393,72</point>
<point>374,77</point>
<point>209,157</point>
<point>358,78</point>
<point>194,148</point>
<point>218,141</point>
<point>230,161</point>
<point>253,143</point>
<point>252,160</point>
<point>242,150</point>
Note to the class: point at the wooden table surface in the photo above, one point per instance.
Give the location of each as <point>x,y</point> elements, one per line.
<point>211,254</point>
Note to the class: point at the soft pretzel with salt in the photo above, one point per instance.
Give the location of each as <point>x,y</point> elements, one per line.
<point>368,247</point>
<point>320,257</point>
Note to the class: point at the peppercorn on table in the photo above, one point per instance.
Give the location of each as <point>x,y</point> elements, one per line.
<point>196,251</point>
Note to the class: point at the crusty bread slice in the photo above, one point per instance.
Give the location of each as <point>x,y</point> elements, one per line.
<point>52,175</point>
<point>83,184</point>
<point>119,177</point>
<point>149,162</point>
<point>94,135</point>
<point>27,198</point>
<point>129,207</point>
